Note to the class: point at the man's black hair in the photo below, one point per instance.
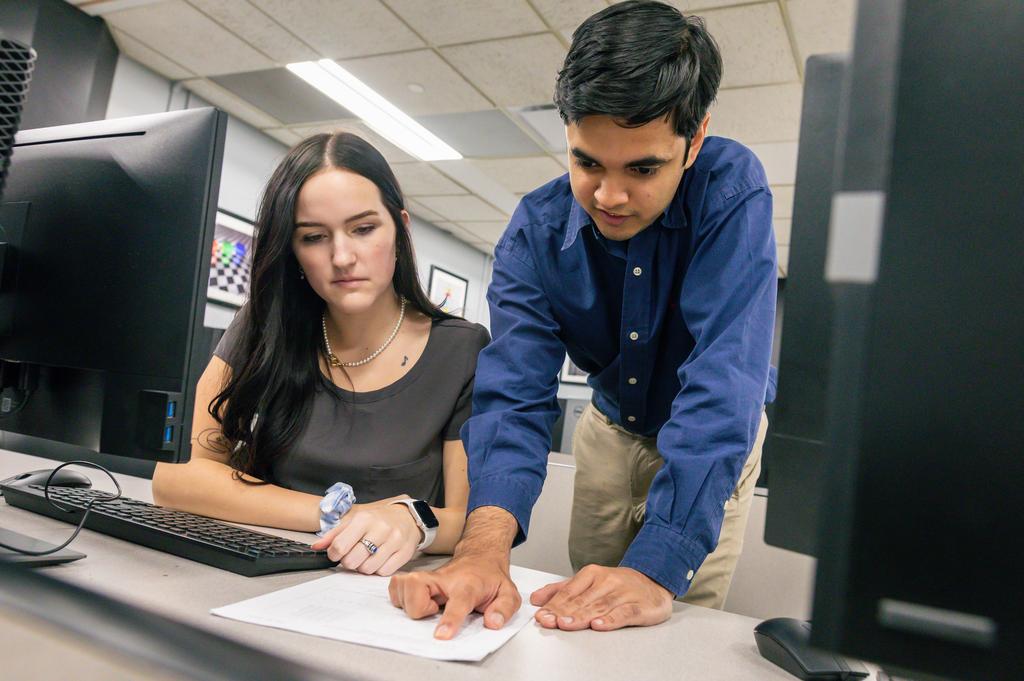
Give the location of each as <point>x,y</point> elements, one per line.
<point>637,61</point>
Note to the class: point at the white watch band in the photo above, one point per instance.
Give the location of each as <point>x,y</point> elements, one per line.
<point>429,533</point>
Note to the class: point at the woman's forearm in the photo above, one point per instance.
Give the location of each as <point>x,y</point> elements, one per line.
<point>450,523</point>
<point>210,488</point>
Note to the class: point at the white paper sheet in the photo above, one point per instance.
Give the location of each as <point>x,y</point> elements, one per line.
<point>352,607</point>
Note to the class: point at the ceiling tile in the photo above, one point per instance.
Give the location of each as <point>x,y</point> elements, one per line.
<point>782,201</point>
<point>562,159</point>
<point>185,35</point>
<point>148,57</point>
<point>480,133</point>
<point>459,208</point>
<point>487,231</point>
<point>470,177</point>
<point>769,113</point>
<point>779,159</point>
<point>283,95</point>
<point>459,233</point>
<point>782,229</point>
<point>566,15</point>
<point>513,71</point>
<point>342,28</point>
<point>546,122</point>
<point>440,88</point>
<point>822,26</point>
<point>689,6</point>
<point>421,211</point>
<point>755,46</point>
<point>284,135</point>
<point>520,175</point>
<point>101,7</point>
<point>255,27</point>
<point>444,22</point>
<point>391,153</point>
<point>228,101</point>
<point>422,179</point>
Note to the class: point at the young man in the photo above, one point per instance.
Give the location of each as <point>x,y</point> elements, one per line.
<point>654,266</point>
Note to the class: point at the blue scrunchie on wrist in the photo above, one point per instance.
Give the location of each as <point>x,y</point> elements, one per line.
<point>337,502</point>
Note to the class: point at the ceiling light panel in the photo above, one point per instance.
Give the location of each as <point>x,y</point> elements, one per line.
<point>283,96</point>
<point>391,153</point>
<point>378,113</point>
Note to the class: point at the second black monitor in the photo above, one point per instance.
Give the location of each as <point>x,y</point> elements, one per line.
<point>110,225</point>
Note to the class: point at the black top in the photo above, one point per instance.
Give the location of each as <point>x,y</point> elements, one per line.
<point>385,442</point>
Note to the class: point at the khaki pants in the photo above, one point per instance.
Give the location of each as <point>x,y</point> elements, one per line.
<point>614,469</point>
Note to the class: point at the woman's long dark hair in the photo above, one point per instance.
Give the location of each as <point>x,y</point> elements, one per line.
<point>275,359</point>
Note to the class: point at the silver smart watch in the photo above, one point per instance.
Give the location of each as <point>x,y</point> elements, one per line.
<point>424,518</point>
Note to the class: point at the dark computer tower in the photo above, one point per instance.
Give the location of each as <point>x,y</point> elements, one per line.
<point>794,460</point>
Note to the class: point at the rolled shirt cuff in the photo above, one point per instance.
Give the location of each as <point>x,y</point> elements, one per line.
<point>666,556</point>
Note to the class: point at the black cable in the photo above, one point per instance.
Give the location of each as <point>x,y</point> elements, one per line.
<point>106,496</point>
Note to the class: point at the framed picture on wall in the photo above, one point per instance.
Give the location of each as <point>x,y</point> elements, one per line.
<point>230,260</point>
<point>572,373</point>
<point>447,291</point>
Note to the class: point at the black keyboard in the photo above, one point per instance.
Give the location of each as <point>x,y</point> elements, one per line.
<point>224,546</point>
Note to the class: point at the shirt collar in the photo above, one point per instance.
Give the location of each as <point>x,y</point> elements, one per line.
<point>674,217</point>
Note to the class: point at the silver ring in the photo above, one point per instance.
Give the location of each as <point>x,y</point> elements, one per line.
<point>370,546</point>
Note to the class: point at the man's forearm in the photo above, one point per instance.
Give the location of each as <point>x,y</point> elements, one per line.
<point>489,530</point>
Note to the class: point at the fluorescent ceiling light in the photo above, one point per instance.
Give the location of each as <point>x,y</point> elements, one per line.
<point>384,117</point>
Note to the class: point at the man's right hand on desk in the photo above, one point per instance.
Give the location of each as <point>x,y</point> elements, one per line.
<point>476,579</point>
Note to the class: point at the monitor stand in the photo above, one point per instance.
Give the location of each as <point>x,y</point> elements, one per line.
<point>23,541</point>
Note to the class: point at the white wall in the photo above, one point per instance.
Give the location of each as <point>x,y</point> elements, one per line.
<point>250,157</point>
<point>434,247</point>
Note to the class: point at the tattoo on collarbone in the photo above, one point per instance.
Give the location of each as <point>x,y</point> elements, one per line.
<point>405,360</point>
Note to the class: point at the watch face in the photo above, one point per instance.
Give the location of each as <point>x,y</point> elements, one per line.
<point>425,514</point>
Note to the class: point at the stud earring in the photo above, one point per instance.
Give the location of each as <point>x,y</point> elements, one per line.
<point>302,275</point>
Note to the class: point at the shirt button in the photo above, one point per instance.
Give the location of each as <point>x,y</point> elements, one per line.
<point>637,271</point>
<point>631,419</point>
<point>632,380</point>
<point>689,575</point>
<point>633,335</point>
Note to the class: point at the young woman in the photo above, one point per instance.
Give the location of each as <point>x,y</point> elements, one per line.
<point>338,370</point>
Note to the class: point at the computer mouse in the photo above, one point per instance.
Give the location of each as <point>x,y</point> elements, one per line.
<point>65,477</point>
<point>785,642</point>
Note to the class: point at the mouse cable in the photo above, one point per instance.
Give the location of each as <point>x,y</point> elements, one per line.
<point>106,496</point>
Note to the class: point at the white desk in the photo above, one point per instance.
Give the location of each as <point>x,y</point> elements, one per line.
<point>696,643</point>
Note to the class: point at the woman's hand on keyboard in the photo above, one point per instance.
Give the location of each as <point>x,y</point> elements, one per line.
<point>377,538</point>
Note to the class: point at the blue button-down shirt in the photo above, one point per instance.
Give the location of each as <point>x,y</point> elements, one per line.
<point>674,328</point>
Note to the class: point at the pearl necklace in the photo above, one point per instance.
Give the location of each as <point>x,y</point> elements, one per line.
<point>333,359</point>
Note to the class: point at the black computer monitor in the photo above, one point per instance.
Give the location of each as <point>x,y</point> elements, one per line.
<point>918,522</point>
<point>110,225</point>
<point>795,448</point>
